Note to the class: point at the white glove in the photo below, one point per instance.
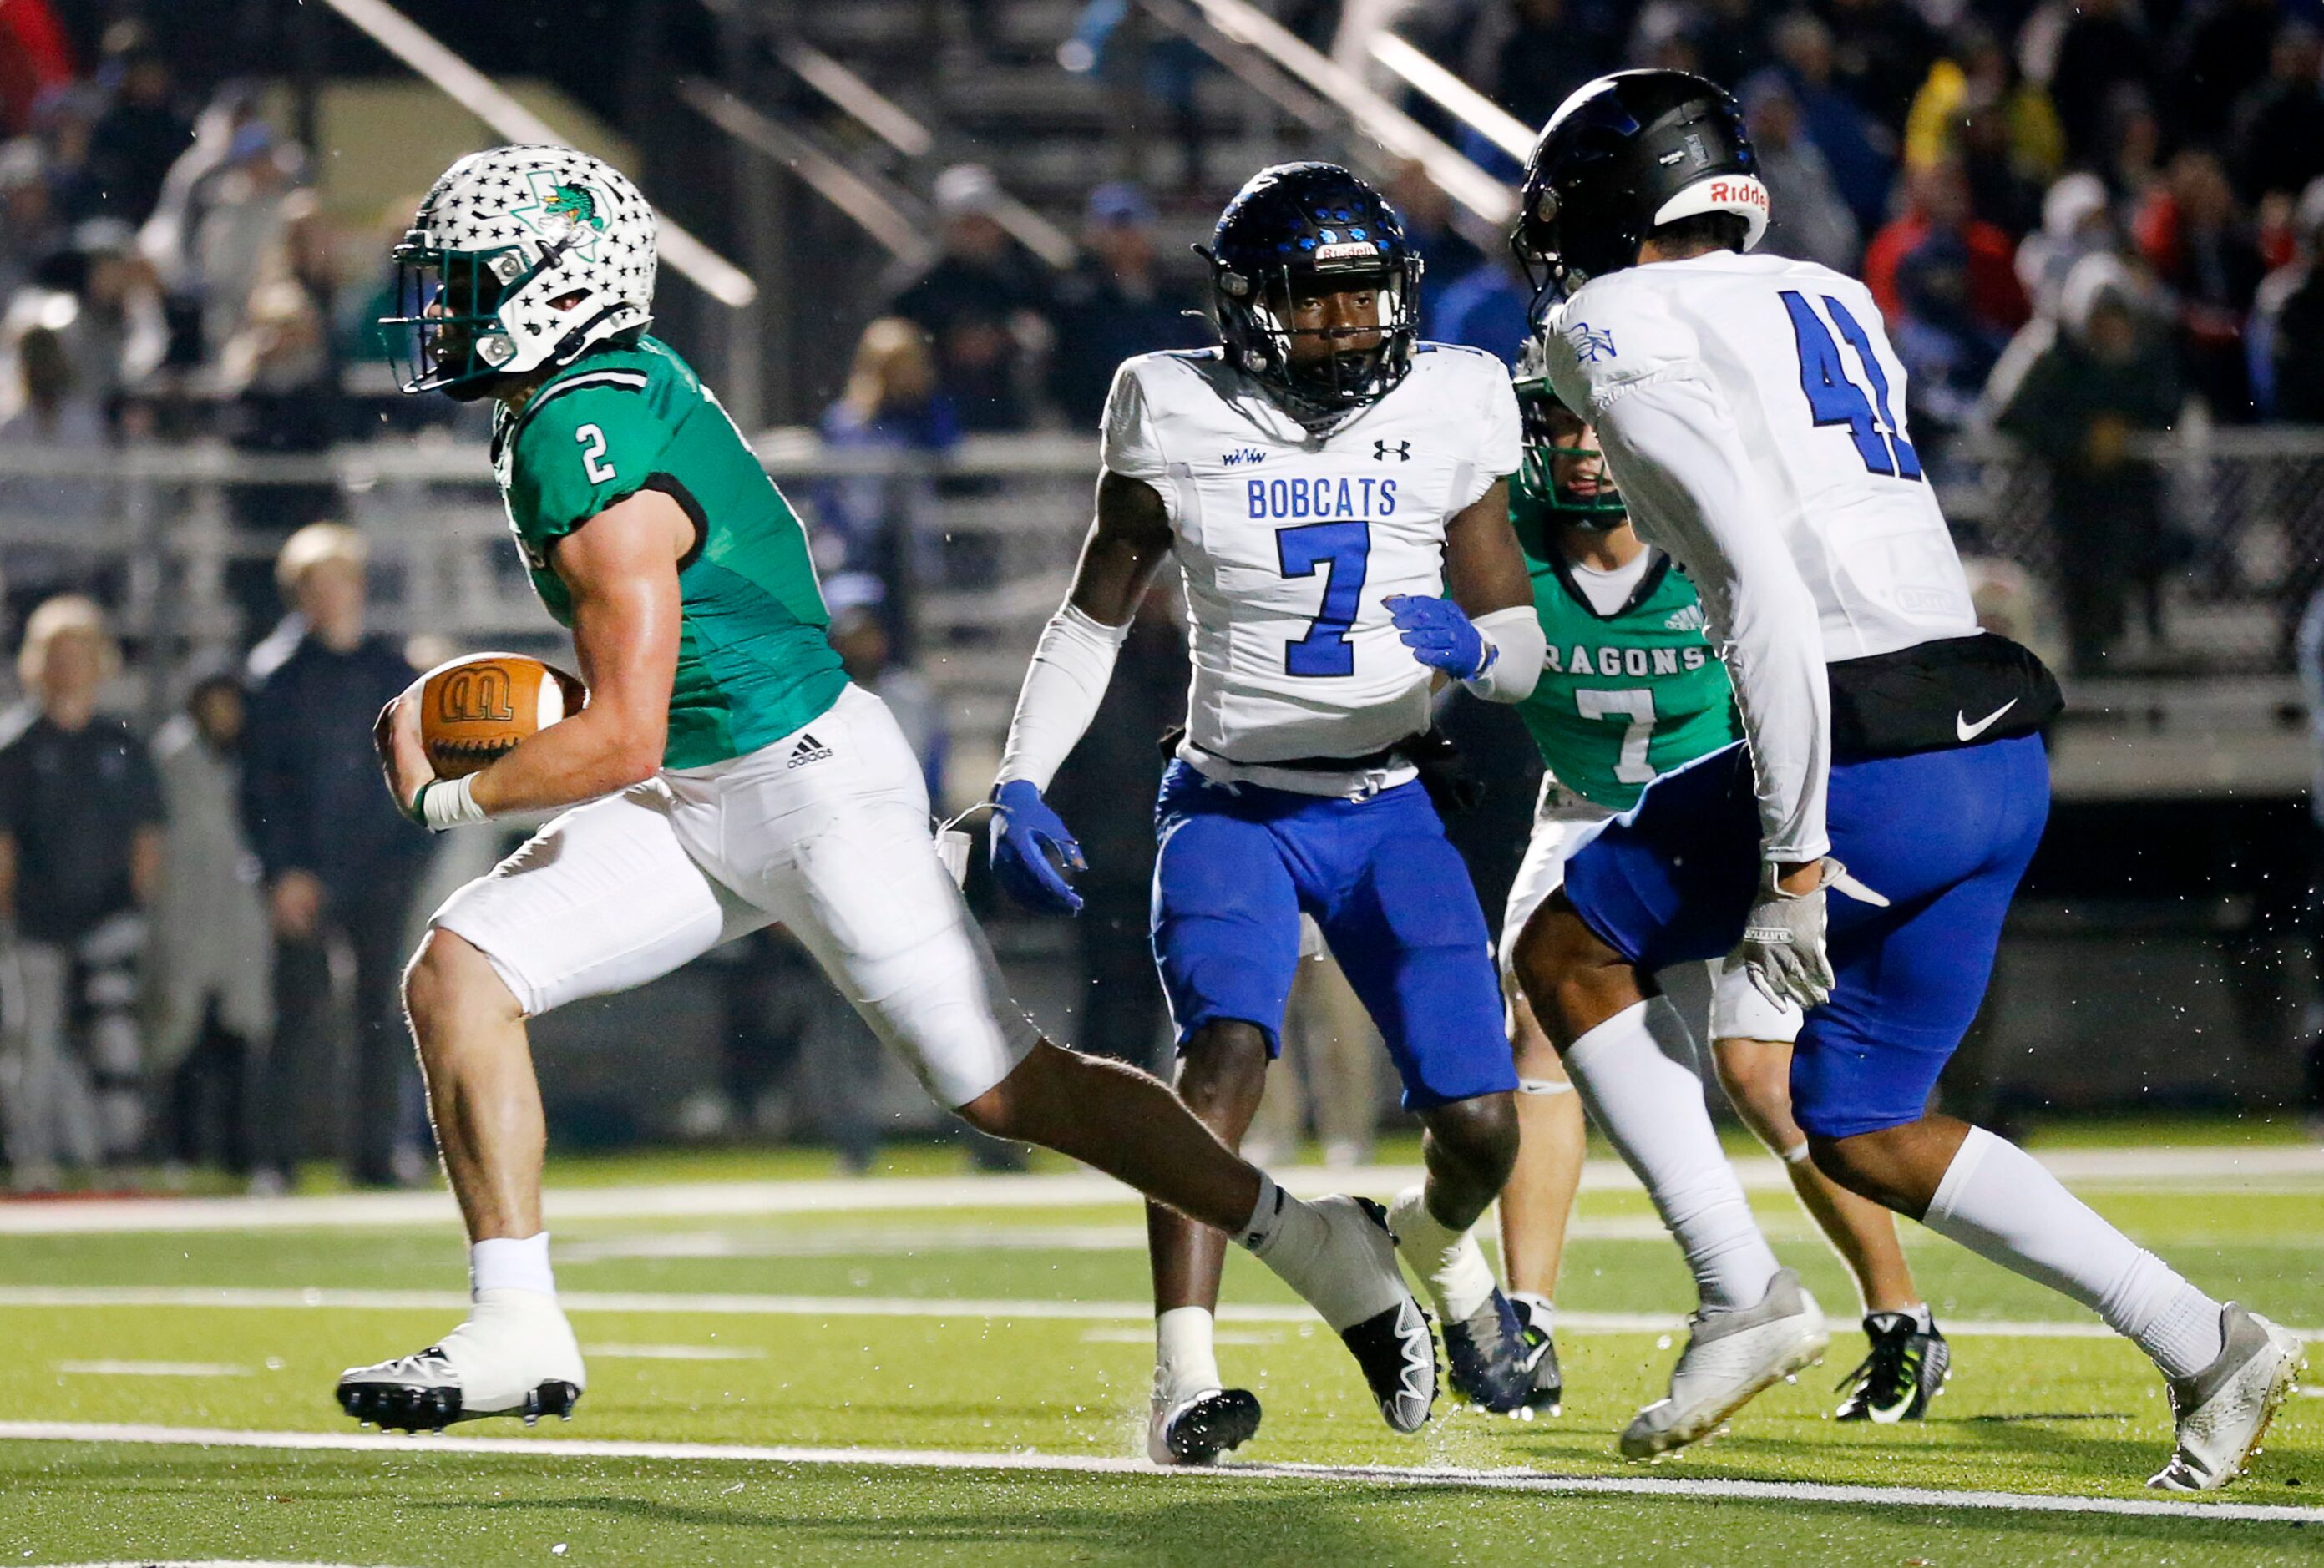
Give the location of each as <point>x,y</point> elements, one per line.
<point>1783,940</point>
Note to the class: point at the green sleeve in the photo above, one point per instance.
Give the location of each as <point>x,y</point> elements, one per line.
<point>576,454</point>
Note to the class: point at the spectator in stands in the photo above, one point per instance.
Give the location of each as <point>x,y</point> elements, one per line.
<point>865,522</point>
<point>28,226</point>
<point>2192,233</point>
<point>141,134</point>
<point>859,635</point>
<point>1114,304</point>
<point>1445,253</point>
<point>984,303</point>
<point>2076,220</point>
<point>38,556</point>
<point>1937,210</point>
<point>1978,76</point>
<point>209,1004</point>
<point>2285,350</point>
<point>2134,138</point>
<point>1108,785</point>
<point>64,120</point>
<point>1807,218</point>
<point>80,857</point>
<point>35,59</point>
<point>339,859</point>
<point>2276,145</point>
<point>1859,151</point>
<point>1884,51</point>
<point>1489,309</point>
<point>1530,54</point>
<point>114,330</point>
<point>1947,345</point>
<point>2076,391</point>
<point>2221,51</point>
<point>2103,46</point>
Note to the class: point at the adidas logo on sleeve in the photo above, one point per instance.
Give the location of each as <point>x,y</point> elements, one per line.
<point>808,750</point>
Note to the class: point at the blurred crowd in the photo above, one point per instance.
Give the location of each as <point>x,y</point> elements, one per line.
<point>2087,225</point>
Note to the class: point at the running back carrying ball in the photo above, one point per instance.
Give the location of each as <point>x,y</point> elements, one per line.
<point>475,709</point>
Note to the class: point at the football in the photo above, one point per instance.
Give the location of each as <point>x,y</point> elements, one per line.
<point>475,709</point>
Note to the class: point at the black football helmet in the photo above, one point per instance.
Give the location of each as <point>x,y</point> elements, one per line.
<point>1298,230</point>
<point>1624,155</point>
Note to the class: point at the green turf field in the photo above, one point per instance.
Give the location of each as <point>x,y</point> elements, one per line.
<point>838,1384</point>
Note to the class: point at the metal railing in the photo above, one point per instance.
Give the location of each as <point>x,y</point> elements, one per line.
<point>977,546</point>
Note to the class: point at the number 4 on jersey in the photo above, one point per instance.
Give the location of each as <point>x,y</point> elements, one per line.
<point>1833,396</point>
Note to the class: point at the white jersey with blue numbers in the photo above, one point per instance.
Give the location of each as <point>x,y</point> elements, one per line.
<point>1753,413</point>
<point>1290,542</point>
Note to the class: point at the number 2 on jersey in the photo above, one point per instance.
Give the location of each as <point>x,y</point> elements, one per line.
<point>1636,704</point>
<point>1343,552</point>
<point>592,441</point>
<point>1833,396</point>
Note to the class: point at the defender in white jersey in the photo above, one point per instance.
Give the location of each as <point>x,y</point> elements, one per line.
<point>1334,493</point>
<point>1753,413</point>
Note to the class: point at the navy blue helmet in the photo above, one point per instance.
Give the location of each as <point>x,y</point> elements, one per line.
<point>1296,231</point>
<point>1624,155</point>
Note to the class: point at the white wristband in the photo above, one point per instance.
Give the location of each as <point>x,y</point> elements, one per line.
<point>1515,647</point>
<point>449,803</point>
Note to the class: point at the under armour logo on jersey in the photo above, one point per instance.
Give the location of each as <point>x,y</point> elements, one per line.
<point>1399,450</point>
<point>1590,347</point>
<point>1243,455</point>
<point>808,750</point>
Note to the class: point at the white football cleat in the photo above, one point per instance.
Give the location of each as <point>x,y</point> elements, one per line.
<point>1352,1280</point>
<point>1199,1427</point>
<point>515,1355</point>
<point>2223,1410</point>
<point>1730,1356</point>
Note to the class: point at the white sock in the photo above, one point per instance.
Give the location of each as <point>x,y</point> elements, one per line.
<point>1539,1308</point>
<point>2000,1203</point>
<point>1651,1110</point>
<point>505,1264</point>
<point>1185,1362</point>
<point>1449,1261</point>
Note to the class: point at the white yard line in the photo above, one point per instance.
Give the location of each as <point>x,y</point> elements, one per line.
<point>2153,1169</point>
<point>844,1306</point>
<point>1514,1479</point>
<point>154,1368</point>
<point>674,1352</point>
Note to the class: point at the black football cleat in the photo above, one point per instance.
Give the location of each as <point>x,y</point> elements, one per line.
<point>1197,1430</point>
<point>1906,1369</point>
<point>1485,1357</point>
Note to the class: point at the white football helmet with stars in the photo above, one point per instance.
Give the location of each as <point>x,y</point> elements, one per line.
<point>521,257</point>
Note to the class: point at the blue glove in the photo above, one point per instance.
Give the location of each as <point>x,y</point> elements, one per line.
<point>1440,635</point>
<point>1025,833</point>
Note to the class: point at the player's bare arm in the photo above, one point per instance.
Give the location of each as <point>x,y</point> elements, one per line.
<point>1483,567</point>
<point>1126,544</point>
<point>622,570</point>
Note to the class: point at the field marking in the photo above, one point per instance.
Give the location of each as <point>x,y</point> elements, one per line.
<point>243,1298</point>
<point>2152,1169</point>
<point>155,1368</point>
<point>1510,1479</point>
<point>675,1352</point>
<point>914,1242</point>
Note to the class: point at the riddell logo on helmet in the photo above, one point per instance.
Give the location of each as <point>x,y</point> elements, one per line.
<point>1744,192</point>
<point>1345,249</point>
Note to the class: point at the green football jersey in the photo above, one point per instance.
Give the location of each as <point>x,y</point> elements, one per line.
<point>1624,696</point>
<point>753,660</point>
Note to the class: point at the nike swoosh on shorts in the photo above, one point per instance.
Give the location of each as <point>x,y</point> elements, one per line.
<point>1970,731</point>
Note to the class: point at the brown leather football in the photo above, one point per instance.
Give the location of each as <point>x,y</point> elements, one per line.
<point>475,709</point>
